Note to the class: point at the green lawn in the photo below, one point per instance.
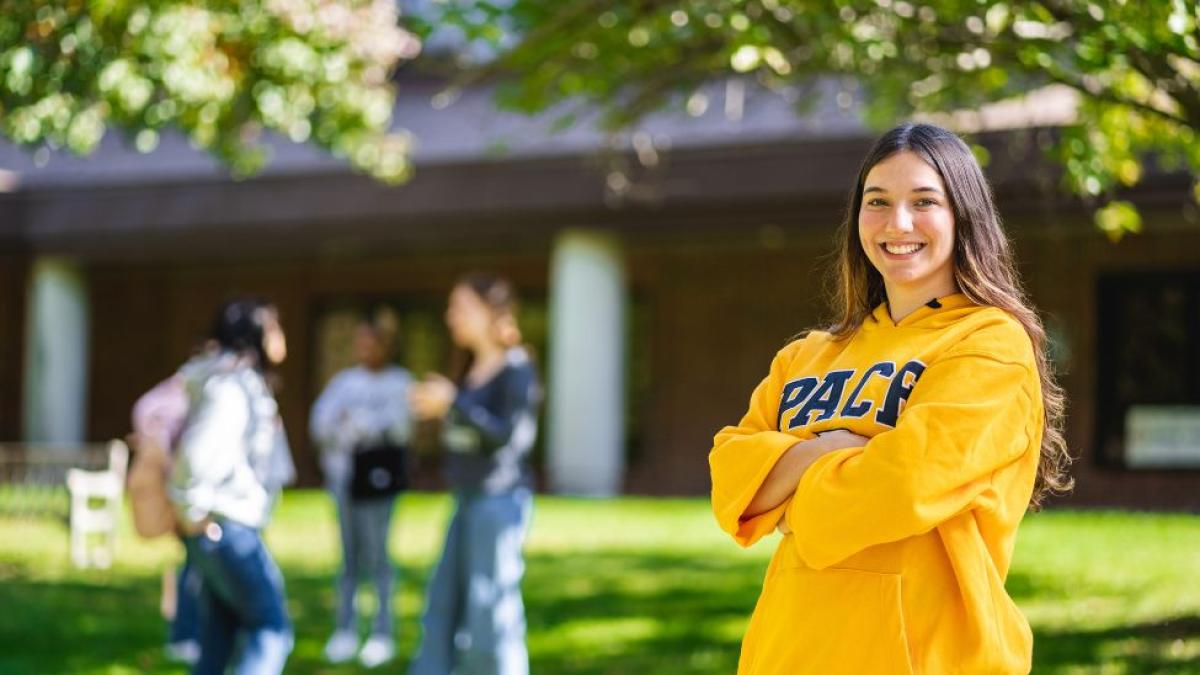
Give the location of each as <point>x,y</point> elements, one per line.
<point>627,586</point>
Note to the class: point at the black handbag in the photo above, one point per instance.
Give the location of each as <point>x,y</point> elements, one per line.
<point>379,471</point>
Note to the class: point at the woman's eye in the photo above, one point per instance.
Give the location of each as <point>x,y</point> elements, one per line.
<point>876,202</point>
<point>925,203</point>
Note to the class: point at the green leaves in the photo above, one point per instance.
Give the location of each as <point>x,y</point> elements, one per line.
<point>1135,66</point>
<point>1118,218</point>
<point>221,71</point>
<point>225,71</point>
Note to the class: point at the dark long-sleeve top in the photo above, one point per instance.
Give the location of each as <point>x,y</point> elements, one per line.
<point>490,430</point>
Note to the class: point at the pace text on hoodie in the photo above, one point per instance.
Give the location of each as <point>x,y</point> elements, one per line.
<point>899,549</point>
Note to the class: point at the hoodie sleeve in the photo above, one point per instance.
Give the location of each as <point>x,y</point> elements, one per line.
<point>743,455</point>
<point>324,418</point>
<point>970,415</point>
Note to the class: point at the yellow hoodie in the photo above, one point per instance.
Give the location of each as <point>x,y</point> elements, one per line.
<point>899,549</point>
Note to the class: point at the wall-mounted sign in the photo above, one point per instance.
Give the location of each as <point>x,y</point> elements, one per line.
<point>1162,437</point>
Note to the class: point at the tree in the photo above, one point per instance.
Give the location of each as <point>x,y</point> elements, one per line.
<point>1135,65</point>
<point>221,71</point>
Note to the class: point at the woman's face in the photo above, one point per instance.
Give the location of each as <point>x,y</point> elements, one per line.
<point>369,350</point>
<point>906,226</point>
<point>468,317</point>
<point>274,342</point>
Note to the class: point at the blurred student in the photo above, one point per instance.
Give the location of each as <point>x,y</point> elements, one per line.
<point>362,424</point>
<point>474,619</point>
<point>231,464</point>
<point>899,450</point>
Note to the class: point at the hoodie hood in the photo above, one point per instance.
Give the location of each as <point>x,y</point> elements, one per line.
<point>934,315</point>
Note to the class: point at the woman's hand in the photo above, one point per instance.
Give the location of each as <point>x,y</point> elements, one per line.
<point>432,398</point>
<point>840,439</point>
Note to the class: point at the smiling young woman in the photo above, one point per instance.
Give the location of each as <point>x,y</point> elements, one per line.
<point>899,449</point>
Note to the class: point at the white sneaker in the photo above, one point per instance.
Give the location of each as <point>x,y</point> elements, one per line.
<point>341,646</point>
<point>378,650</point>
<point>183,651</point>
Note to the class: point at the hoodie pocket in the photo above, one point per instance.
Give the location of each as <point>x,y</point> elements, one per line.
<point>827,621</point>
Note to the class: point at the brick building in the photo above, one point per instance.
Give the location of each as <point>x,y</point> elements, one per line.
<point>686,254</point>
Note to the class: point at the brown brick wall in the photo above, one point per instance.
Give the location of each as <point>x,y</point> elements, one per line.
<point>719,316</point>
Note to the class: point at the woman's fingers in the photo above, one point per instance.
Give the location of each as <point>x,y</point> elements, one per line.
<point>431,399</point>
<point>840,438</point>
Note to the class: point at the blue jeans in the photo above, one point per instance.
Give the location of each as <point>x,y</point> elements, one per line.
<point>187,600</point>
<point>241,603</point>
<point>474,620</point>
<point>365,525</point>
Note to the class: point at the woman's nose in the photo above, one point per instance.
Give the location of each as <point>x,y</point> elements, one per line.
<point>900,220</point>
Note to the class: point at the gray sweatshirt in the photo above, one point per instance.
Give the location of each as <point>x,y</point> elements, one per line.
<point>359,407</point>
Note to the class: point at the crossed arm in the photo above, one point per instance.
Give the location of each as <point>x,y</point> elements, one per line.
<point>783,478</point>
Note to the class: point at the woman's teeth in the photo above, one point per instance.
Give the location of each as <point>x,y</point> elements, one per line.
<point>902,249</point>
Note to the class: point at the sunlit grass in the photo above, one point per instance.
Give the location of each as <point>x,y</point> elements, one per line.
<point>621,586</point>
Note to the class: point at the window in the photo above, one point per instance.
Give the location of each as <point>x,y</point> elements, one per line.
<point>424,347</point>
<point>423,344</point>
<point>1148,370</point>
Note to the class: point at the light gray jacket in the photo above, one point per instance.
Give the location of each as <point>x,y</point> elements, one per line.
<point>233,456</point>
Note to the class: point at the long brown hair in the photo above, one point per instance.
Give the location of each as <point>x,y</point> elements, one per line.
<point>983,269</point>
<point>240,326</point>
<point>501,298</point>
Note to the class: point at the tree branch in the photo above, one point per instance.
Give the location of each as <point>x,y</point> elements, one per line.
<point>1162,74</point>
<point>1108,96</point>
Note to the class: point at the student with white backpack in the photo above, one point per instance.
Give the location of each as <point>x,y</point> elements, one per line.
<point>231,460</point>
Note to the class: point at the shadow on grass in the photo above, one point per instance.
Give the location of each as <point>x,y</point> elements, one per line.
<point>1168,646</point>
<point>609,612</point>
<point>591,613</point>
<point>639,612</point>
<point>1171,646</point>
<point>79,627</point>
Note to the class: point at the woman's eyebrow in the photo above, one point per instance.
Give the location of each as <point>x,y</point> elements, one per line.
<point>876,188</point>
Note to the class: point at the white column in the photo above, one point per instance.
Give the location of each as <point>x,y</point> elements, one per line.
<point>56,353</point>
<point>586,420</point>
